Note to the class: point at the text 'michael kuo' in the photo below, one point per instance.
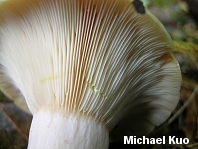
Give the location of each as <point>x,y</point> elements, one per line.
<point>162,140</point>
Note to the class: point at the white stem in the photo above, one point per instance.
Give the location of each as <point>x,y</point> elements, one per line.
<point>54,130</point>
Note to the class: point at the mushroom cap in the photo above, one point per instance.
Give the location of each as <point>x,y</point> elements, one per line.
<point>108,59</point>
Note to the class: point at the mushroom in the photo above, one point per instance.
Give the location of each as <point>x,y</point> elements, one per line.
<point>85,66</point>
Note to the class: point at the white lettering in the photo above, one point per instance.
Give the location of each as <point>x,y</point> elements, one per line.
<point>134,140</point>
<point>152,140</point>
<point>171,140</point>
<point>139,140</point>
<point>158,141</point>
<point>145,140</point>
<point>178,140</point>
<point>164,140</point>
<point>128,140</point>
<point>186,141</point>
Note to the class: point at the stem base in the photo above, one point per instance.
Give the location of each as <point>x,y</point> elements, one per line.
<point>55,131</point>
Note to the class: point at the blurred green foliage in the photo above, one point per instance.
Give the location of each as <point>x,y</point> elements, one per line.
<point>159,3</point>
<point>180,25</point>
<point>162,3</point>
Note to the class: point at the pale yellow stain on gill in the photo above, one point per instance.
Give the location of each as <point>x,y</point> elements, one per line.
<point>47,78</point>
<point>96,90</point>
